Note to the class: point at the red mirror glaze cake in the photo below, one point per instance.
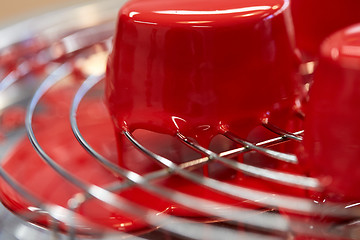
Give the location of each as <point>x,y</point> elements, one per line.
<point>332,129</point>
<point>195,66</point>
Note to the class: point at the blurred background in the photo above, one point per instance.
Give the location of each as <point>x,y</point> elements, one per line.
<point>12,11</point>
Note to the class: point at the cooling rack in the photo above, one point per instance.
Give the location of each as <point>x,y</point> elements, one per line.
<point>67,49</point>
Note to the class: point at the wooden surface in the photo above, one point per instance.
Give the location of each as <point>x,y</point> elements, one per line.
<point>15,10</point>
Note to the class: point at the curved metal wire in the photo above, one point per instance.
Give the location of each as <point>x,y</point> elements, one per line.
<point>260,221</point>
<point>286,157</point>
<point>282,132</point>
<point>273,200</point>
<point>55,212</point>
<point>278,177</point>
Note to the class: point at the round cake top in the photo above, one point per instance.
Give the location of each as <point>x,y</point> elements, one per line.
<point>202,13</point>
<point>343,47</point>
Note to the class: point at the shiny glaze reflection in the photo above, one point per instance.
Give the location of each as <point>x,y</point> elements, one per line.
<point>332,129</point>
<point>198,66</point>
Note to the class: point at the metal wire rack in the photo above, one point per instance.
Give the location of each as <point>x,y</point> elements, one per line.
<point>55,48</point>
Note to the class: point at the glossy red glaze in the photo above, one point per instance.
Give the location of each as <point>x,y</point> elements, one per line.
<point>196,66</point>
<point>332,144</point>
<point>316,20</point>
